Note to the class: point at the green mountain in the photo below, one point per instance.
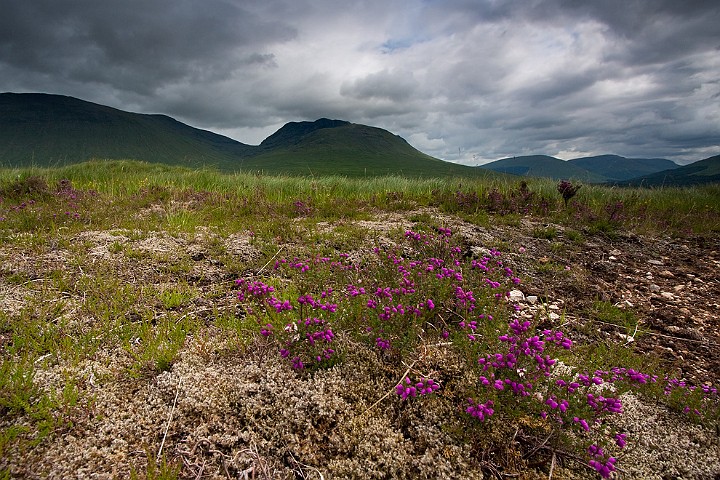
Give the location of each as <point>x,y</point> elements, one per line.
<point>293,133</point>
<point>42,129</point>
<point>341,148</point>
<point>543,166</point>
<point>615,167</point>
<point>698,173</point>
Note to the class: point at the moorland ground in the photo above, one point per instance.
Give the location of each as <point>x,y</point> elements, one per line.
<point>126,351</point>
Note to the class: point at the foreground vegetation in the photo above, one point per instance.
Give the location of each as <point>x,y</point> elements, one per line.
<point>297,276</point>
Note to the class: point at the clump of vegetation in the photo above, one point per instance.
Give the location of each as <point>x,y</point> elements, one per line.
<point>424,294</point>
<point>567,190</point>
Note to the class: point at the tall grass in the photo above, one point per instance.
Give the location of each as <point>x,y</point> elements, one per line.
<point>677,211</point>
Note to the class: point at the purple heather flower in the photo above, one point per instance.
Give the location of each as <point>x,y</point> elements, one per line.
<point>604,469</point>
<point>583,423</point>
<point>480,410</point>
<point>382,343</point>
<point>407,390</point>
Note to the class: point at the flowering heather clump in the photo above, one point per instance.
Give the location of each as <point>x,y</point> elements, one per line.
<point>302,208</point>
<point>567,190</point>
<point>425,294</point>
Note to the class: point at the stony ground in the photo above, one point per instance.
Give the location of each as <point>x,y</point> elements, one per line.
<point>228,409</point>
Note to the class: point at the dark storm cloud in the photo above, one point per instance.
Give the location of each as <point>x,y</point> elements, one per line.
<point>135,45</point>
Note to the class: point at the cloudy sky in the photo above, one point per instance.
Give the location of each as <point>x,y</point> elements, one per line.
<point>463,80</point>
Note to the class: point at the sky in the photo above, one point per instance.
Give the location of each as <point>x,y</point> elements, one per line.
<point>468,81</point>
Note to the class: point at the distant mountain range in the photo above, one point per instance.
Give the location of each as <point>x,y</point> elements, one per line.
<point>611,169</point>
<point>599,169</point>
<point>39,129</point>
<point>47,130</point>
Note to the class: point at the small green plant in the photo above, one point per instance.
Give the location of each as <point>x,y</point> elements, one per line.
<point>547,233</point>
<point>608,313</point>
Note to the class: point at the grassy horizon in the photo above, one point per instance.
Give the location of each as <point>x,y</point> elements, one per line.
<point>675,210</point>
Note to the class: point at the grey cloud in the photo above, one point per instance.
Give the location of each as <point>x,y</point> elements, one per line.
<point>134,45</point>
<point>395,86</point>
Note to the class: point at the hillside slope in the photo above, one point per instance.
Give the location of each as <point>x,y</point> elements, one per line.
<point>348,149</point>
<point>698,173</point>
<point>41,129</point>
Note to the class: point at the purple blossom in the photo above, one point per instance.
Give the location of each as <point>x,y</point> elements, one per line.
<point>407,390</point>
<point>481,411</point>
<point>382,343</point>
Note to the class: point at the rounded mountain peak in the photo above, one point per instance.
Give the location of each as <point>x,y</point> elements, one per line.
<point>293,132</point>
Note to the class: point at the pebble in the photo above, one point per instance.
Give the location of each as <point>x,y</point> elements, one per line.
<point>532,299</point>
<point>554,316</point>
<point>654,288</point>
<point>667,295</point>
<point>627,338</point>
<point>655,262</point>
<point>666,274</point>
<point>516,295</point>
<point>615,253</point>
<point>677,288</point>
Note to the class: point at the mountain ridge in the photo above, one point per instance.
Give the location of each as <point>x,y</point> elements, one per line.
<point>38,129</point>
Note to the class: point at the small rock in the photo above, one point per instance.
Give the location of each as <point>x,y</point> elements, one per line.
<point>654,288</point>
<point>626,338</point>
<point>677,288</point>
<point>516,295</point>
<point>615,253</point>
<point>553,307</point>
<point>532,299</point>
<point>667,295</point>
<point>655,262</point>
<point>554,316</point>
<point>666,274</point>
<point>612,258</point>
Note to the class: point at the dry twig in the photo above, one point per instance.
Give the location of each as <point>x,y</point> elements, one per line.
<point>167,426</point>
